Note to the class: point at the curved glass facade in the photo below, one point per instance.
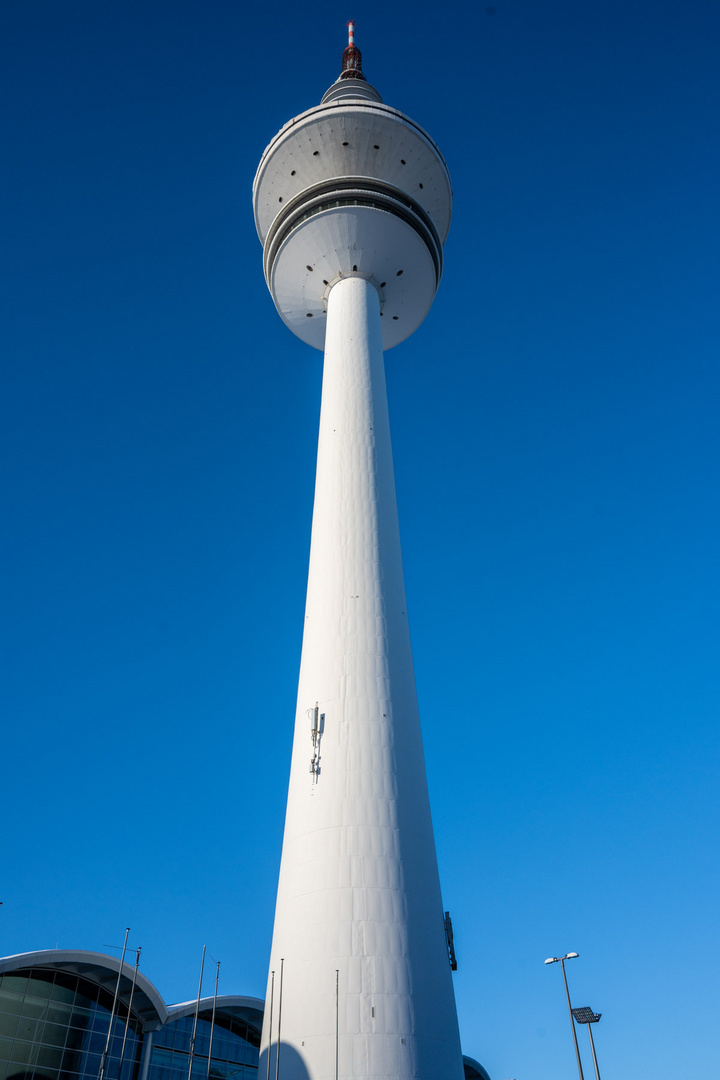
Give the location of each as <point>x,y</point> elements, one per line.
<point>54,1025</point>
<point>235,1049</point>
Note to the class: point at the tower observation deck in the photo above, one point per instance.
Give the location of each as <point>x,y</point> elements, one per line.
<point>352,204</point>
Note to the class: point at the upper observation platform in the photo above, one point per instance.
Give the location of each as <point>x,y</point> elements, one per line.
<point>352,186</point>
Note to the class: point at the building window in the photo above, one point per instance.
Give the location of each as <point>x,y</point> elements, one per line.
<point>235,1049</point>
<point>54,1025</point>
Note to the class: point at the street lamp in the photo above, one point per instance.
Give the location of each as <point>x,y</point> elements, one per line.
<point>585,1015</point>
<point>561,960</point>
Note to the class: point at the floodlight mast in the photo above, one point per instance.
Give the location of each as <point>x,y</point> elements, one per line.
<point>585,1015</point>
<point>352,204</point>
<point>561,960</point>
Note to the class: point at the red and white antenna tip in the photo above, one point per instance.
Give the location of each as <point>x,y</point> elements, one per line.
<point>352,57</point>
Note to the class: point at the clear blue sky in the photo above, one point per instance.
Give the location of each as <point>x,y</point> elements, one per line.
<point>555,424</point>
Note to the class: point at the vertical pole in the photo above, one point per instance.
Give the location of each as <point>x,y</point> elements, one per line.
<point>277,1052</point>
<point>337,1019</point>
<point>103,1059</point>
<point>127,1022</point>
<point>212,1022</point>
<point>272,995</point>
<point>197,1010</point>
<point>572,1021</point>
<point>592,1047</point>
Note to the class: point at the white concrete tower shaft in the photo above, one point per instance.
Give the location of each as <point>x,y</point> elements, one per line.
<point>360,983</point>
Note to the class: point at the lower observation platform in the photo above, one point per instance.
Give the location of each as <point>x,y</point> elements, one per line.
<point>346,241</point>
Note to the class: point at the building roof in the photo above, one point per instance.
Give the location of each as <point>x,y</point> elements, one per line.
<point>234,1004</point>
<point>103,970</point>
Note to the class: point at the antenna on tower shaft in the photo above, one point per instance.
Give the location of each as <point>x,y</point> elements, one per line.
<point>351,57</point>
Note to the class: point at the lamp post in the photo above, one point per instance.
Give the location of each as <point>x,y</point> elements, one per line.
<point>585,1015</point>
<point>561,960</point>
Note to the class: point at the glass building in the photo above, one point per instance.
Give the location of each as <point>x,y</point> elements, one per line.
<point>235,1046</point>
<point>55,1024</point>
<point>55,1012</point>
<point>473,1069</point>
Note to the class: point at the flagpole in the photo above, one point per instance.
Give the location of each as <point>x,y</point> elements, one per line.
<point>197,1010</point>
<point>127,1022</point>
<point>103,1059</point>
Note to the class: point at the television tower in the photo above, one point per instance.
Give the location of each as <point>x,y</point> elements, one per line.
<point>352,204</point>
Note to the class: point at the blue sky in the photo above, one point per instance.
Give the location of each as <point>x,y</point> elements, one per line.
<point>556,450</point>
